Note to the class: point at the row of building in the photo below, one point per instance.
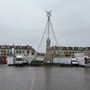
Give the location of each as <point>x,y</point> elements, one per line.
<point>69,51</point>
<point>6,50</point>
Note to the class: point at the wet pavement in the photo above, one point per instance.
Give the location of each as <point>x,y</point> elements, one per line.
<point>44,78</point>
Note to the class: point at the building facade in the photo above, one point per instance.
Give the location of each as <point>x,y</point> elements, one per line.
<point>6,50</point>
<point>68,51</point>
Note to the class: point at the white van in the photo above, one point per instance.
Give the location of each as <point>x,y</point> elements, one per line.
<point>74,61</point>
<point>20,60</point>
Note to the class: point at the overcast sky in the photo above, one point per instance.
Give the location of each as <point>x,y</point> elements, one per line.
<point>22,22</point>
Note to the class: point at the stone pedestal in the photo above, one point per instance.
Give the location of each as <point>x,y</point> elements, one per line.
<point>48,58</point>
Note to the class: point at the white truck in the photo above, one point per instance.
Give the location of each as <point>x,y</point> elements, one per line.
<point>20,60</point>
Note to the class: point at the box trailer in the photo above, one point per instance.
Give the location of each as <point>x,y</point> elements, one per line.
<point>10,60</point>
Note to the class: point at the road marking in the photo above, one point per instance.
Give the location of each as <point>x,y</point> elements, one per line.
<point>32,82</point>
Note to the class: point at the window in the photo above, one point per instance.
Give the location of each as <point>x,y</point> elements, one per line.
<point>19,51</point>
<point>27,51</point>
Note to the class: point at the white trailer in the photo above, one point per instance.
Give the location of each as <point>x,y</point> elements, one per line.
<point>10,60</point>
<point>81,58</point>
<point>63,60</point>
